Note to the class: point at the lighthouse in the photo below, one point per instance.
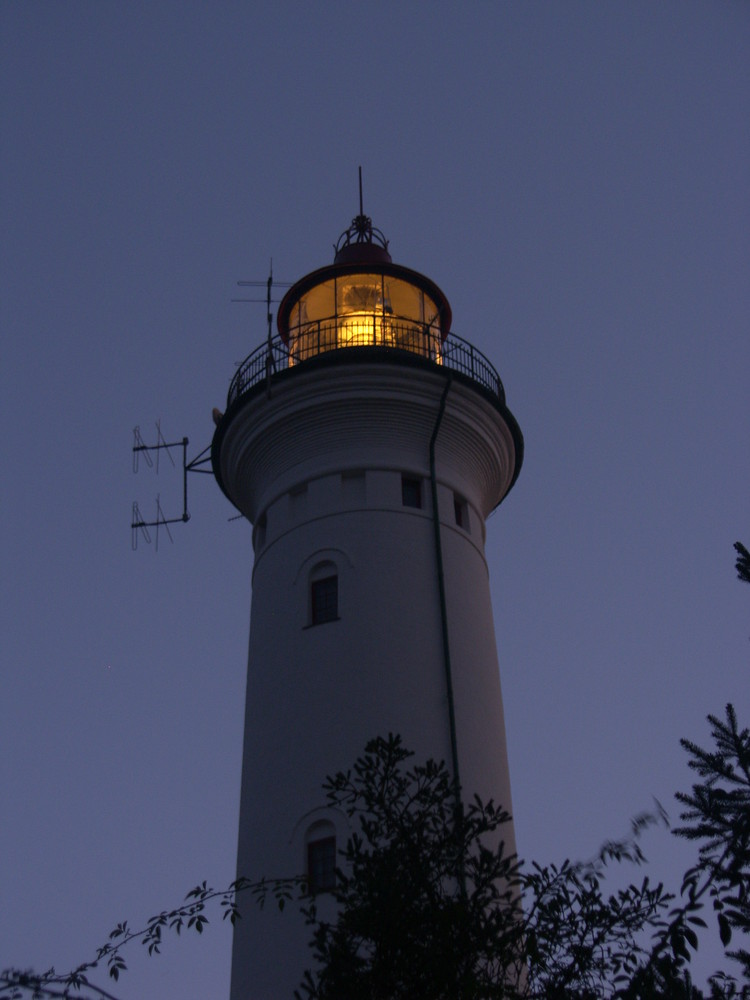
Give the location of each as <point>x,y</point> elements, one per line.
<point>367,444</point>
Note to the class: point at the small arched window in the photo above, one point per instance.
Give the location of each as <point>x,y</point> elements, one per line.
<point>320,857</point>
<point>324,594</point>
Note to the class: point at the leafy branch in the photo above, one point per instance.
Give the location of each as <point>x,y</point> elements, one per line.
<point>431,907</point>
<point>190,916</point>
<point>743,562</point>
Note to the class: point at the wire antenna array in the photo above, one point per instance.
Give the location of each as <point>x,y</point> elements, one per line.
<point>139,525</point>
<point>268,284</point>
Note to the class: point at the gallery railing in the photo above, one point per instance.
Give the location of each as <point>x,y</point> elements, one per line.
<point>388,333</point>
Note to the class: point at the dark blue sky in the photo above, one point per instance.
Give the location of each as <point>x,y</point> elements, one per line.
<point>575,178</point>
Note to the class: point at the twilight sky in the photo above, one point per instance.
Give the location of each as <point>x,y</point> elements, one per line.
<point>575,178</point>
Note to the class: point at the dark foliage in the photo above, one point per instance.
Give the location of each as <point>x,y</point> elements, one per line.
<point>717,816</point>
<point>743,562</point>
<point>429,905</point>
<point>16,984</point>
<point>428,900</point>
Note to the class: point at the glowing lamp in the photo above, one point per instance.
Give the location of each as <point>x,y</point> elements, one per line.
<point>363,300</point>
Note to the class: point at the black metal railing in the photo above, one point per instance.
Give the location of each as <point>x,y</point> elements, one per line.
<point>389,334</point>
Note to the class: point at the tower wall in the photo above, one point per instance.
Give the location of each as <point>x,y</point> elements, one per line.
<point>316,463</point>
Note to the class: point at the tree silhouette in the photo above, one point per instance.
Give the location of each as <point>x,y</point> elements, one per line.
<point>743,562</point>
<point>430,905</point>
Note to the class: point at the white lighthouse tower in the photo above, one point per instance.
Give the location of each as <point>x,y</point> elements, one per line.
<point>367,445</point>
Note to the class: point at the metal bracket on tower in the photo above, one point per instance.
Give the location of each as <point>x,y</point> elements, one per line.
<point>139,524</point>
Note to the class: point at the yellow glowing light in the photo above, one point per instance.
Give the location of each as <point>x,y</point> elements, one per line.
<point>364,310</point>
<point>362,329</point>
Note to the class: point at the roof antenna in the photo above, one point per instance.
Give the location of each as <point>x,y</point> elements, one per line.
<point>361,231</point>
<point>139,523</point>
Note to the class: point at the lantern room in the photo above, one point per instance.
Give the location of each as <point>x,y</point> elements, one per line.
<point>363,299</point>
